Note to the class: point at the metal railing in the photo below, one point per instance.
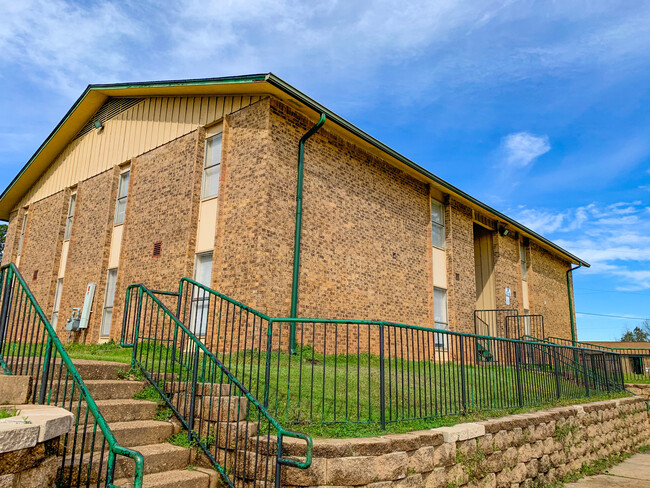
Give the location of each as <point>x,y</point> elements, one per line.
<point>525,325</point>
<point>373,371</point>
<point>635,361</point>
<point>29,346</point>
<point>221,414</point>
<point>495,323</point>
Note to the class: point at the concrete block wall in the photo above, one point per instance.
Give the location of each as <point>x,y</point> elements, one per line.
<point>525,450</point>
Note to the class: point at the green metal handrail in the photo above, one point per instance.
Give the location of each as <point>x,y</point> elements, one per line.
<point>53,347</point>
<point>180,328</point>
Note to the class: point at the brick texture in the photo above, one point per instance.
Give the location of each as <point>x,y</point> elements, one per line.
<point>89,248</point>
<point>42,247</point>
<point>365,224</point>
<point>162,207</point>
<point>548,292</point>
<point>11,239</point>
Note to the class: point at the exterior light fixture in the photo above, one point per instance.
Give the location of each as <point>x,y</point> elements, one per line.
<point>98,125</point>
<point>503,230</point>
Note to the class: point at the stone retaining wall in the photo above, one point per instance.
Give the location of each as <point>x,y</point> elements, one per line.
<point>524,450</point>
<point>29,446</point>
<point>641,389</point>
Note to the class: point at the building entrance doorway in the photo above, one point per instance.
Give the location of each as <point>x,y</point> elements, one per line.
<point>484,269</point>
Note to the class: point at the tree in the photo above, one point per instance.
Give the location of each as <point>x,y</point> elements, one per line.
<point>640,333</point>
<point>3,235</point>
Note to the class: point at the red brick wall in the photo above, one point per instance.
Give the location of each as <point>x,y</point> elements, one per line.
<point>461,277</point>
<point>162,206</point>
<point>365,223</point>
<point>11,239</point>
<point>548,292</point>
<point>89,248</point>
<point>42,247</point>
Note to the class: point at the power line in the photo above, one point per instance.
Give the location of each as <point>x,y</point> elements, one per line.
<point>613,316</point>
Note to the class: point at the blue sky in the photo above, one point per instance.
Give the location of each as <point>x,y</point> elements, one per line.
<point>537,108</point>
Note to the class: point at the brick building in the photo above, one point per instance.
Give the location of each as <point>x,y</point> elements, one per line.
<point>150,182</point>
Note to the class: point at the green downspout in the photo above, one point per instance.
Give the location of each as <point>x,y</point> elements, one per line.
<point>573,324</point>
<point>296,245</point>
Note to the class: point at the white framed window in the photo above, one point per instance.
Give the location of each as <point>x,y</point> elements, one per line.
<point>524,262</point>
<point>437,224</point>
<point>109,300</point>
<point>211,166</point>
<point>57,302</point>
<point>122,195</point>
<point>22,234</point>
<point>440,315</point>
<point>200,298</point>
<point>70,217</point>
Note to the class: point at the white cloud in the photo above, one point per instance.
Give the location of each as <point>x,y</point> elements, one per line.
<point>614,238</point>
<point>522,148</point>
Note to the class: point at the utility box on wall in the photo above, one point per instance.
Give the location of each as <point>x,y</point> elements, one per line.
<point>88,305</point>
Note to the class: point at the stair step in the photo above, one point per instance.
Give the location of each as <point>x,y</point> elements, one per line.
<point>122,409</point>
<point>99,390</point>
<point>99,370</point>
<point>127,434</point>
<point>178,478</point>
<point>203,389</point>
<point>157,458</point>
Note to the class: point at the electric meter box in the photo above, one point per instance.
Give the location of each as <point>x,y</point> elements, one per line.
<point>72,324</point>
<point>88,305</point>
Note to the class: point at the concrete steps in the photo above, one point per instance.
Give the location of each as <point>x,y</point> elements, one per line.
<point>132,424</point>
<point>196,478</point>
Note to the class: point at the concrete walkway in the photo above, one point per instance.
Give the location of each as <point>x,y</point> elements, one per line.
<point>633,473</point>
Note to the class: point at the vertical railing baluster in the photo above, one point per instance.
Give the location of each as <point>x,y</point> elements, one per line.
<point>382,384</point>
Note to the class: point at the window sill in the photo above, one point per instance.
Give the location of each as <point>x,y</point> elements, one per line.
<point>207,199</point>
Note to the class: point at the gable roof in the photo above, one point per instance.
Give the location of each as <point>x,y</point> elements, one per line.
<point>94,96</point>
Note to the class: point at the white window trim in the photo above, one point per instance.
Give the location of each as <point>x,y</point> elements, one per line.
<point>205,168</point>
<point>441,225</point>
<point>105,307</point>
<point>69,220</point>
<point>125,197</point>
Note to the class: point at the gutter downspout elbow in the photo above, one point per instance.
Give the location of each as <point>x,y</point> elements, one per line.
<point>298,228</point>
<point>570,295</point>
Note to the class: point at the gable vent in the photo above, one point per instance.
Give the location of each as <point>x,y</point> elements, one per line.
<point>112,108</point>
<point>157,249</point>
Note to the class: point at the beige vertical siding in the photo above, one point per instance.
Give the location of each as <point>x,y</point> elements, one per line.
<point>149,124</point>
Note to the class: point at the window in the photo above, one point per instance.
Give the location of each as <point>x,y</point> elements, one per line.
<point>122,193</point>
<point>70,218</point>
<point>201,298</point>
<point>57,302</point>
<point>211,167</point>
<point>22,234</point>
<point>437,224</point>
<point>440,315</point>
<point>109,299</point>
<point>524,263</point>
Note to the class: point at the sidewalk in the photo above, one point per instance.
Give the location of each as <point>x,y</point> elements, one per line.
<point>633,473</point>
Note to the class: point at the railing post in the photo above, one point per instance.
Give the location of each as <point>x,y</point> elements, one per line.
<point>556,366</point>
<point>520,392</point>
<point>584,368</point>
<point>125,316</point>
<point>267,364</point>
<point>382,377</point>
<point>605,370</point>
<point>136,328</point>
<point>278,466</point>
<point>463,386</point>
<point>6,305</point>
<point>195,372</point>
<point>46,371</point>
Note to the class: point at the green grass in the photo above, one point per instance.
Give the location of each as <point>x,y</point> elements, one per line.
<point>636,378</point>
<point>6,413</point>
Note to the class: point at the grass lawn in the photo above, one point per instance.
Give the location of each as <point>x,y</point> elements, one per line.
<point>636,378</point>
<point>340,396</point>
